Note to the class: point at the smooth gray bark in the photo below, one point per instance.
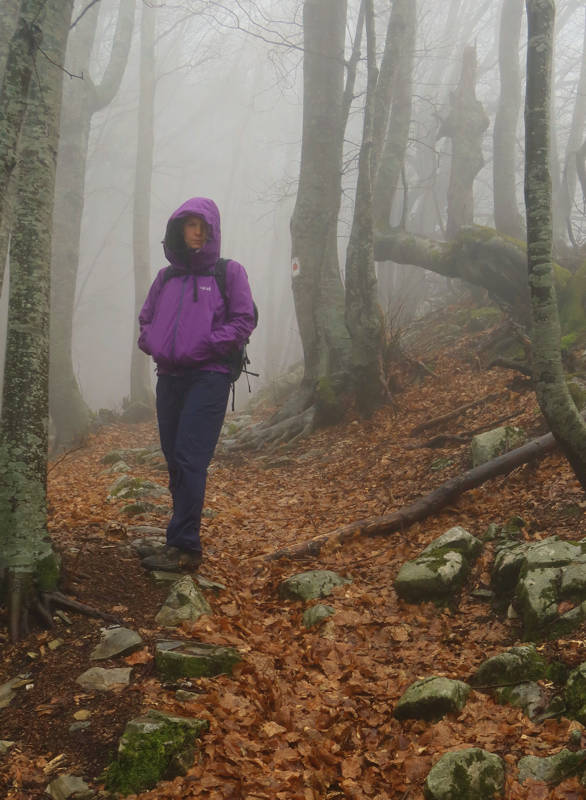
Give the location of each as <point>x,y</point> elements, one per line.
<point>140,366</point>
<point>317,287</point>
<point>24,420</point>
<point>81,100</point>
<point>363,315</point>
<point>551,388</point>
<point>507,218</point>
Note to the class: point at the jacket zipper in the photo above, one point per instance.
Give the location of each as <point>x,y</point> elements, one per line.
<point>178,315</point>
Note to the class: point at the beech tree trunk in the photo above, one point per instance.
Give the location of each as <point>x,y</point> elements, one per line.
<point>81,100</point>
<point>363,315</point>
<point>553,396</point>
<point>140,366</point>
<point>317,287</point>
<point>24,420</point>
<point>465,126</point>
<point>507,218</point>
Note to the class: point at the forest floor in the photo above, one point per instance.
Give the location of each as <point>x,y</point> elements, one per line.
<point>307,715</point>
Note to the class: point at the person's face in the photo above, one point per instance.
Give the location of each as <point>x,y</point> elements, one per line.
<point>195,232</point>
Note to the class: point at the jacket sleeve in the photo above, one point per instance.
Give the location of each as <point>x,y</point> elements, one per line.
<point>147,312</point>
<point>240,318</point>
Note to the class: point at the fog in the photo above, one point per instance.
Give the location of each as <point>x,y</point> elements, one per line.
<point>228,122</point>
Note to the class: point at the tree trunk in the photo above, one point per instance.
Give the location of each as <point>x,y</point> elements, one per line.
<point>24,420</point>
<point>140,382</point>
<point>317,287</point>
<point>553,396</point>
<point>389,153</point>
<point>465,126</point>
<point>82,98</point>
<point>507,218</point>
<point>363,315</point>
<point>18,67</point>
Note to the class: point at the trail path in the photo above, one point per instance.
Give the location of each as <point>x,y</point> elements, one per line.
<point>308,714</point>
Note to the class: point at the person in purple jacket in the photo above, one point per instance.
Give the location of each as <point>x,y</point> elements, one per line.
<point>190,331</point>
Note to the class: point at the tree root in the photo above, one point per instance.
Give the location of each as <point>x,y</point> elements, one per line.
<point>424,506</point>
<point>287,430</point>
<point>58,600</point>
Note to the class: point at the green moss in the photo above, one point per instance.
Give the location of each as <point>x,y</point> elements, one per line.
<point>146,757</point>
<point>47,572</point>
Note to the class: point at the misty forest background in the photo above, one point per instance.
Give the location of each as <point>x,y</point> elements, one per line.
<point>228,96</point>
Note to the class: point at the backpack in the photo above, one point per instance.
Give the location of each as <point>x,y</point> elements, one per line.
<point>237,361</point>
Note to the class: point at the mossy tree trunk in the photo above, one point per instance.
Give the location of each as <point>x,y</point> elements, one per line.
<point>317,286</point>
<point>140,383</point>
<point>18,62</point>
<point>81,100</point>
<point>507,218</point>
<point>553,396</point>
<point>363,315</point>
<point>465,125</point>
<point>24,420</point>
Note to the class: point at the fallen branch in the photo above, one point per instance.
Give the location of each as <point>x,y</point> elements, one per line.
<point>424,506</point>
<point>49,599</point>
<point>431,423</point>
<point>465,436</point>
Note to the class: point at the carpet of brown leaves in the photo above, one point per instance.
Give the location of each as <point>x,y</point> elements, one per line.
<point>308,714</point>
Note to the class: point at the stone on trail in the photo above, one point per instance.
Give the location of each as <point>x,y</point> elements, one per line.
<point>148,545</point>
<point>440,569</point>
<point>7,690</point>
<point>491,444</point>
<point>185,603</point>
<point>575,693</point>
<point>552,769</point>
<point>432,698</point>
<point>175,659</point>
<point>153,747</point>
<point>472,774</point>
<point>537,599</point>
<point>528,696</point>
<point>116,642</point>
<point>128,487</point>
<point>316,614</point>
<point>514,666</point>
<point>69,787</point>
<point>102,680</point>
<point>310,585</point>
<point>5,746</point>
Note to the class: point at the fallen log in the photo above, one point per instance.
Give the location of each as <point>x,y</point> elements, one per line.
<point>432,423</point>
<point>424,506</point>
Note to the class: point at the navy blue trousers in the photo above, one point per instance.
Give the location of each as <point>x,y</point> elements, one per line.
<point>190,412</point>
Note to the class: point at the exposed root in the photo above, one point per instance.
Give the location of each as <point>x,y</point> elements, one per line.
<point>287,430</point>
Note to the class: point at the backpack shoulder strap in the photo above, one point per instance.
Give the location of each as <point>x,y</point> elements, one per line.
<point>220,276</point>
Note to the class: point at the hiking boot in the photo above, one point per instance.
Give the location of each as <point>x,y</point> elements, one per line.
<point>171,559</point>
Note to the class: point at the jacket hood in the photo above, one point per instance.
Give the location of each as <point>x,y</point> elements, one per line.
<point>174,246</point>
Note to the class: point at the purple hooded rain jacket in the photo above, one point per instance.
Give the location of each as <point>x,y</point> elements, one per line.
<point>184,322</point>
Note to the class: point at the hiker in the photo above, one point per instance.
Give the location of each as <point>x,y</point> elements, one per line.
<point>190,326</point>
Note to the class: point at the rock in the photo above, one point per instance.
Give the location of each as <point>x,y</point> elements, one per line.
<point>431,578</point>
<point>574,579</point>
<point>5,746</point>
<point>514,666</point>
<point>491,444</point>
<point>456,539</point>
<point>552,769</point>
<point>148,545</point>
<point>511,557</point>
<point>102,680</point>
<point>316,614</point>
<point>472,774</point>
<point>174,659</point>
<point>147,530</point>
<point>153,747</point>
<point>127,486</point>
<point>117,468</point>
<point>310,585</point>
<point>432,698</point>
<point>69,786</point>
<point>79,727</point>
<point>183,696</point>
<point>575,693</point>
<point>537,599</point>
<point>440,569</point>
<point>529,696</point>
<point>140,507</point>
<point>207,584</point>
<point>116,642</point>
<point>7,690</point>
<point>551,552</point>
<point>185,603</point>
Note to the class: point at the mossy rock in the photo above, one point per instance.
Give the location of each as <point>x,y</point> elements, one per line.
<point>456,539</point>
<point>153,747</point>
<point>575,693</point>
<point>432,578</point>
<point>471,774</point>
<point>316,615</point>
<point>174,659</point>
<point>432,698</point>
<point>552,769</point>
<point>311,585</point>
<point>514,666</point>
<point>126,487</point>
